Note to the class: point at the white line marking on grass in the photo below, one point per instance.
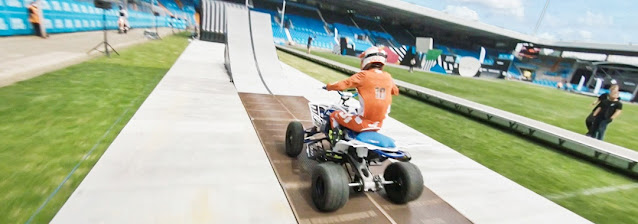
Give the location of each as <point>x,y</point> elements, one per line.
<point>592,191</point>
<point>86,156</point>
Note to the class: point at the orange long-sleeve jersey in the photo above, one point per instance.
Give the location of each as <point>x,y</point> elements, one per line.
<point>34,14</point>
<point>375,88</point>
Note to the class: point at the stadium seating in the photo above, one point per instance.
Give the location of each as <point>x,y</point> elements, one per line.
<point>307,24</point>
<point>279,34</point>
<point>321,41</point>
<point>350,32</point>
<point>464,53</point>
<point>64,16</point>
<point>444,49</point>
<point>332,18</point>
<point>400,35</point>
<point>381,41</point>
<point>367,23</point>
<point>360,45</point>
<point>545,82</point>
<point>170,5</point>
<point>303,25</point>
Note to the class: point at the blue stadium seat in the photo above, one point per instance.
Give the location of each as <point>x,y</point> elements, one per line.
<point>307,24</point>
<point>465,53</point>
<point>321,41</point>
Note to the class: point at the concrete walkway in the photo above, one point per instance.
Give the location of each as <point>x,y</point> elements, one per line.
<point>25,57</point>
<point>189,155</point>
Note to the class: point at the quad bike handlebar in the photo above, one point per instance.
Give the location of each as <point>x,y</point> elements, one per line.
<point>346,94</point>
<point>349,94</point>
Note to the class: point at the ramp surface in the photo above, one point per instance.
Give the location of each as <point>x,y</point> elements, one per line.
<point>480,194</point>
<point>266,54</point>
<point>243,67</point>
<point>189,155</point>
<point>270,115</point>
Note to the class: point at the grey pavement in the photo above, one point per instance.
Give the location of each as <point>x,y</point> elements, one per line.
<point>190,154</point>
<point>25,57</point>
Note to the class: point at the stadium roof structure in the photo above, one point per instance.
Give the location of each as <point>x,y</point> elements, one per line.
<point>408,12</point>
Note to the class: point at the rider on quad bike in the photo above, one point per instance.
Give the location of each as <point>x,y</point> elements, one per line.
<point>375,88</point>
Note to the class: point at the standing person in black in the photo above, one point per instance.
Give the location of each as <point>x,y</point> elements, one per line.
<point>590,119</point>
<point>309,43</point>
<point>607,111</point>
<point>412,63</point>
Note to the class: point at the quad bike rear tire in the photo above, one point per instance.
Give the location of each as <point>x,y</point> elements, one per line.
<point>408,182</point>
<point>330,190</point>
<point>294,138</point>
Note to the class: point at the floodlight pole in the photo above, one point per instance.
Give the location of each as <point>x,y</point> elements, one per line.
<point>540,18</point>
<point>283,12</point>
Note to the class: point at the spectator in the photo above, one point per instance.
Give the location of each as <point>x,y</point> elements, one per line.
<point>196,35</point>
<point>310,39</point>
<point>412,63</point>
<point>589,121</point>
<point>122,22</point>
<point>562,84</point>
<point>34,18</point>
<point>608,110</point>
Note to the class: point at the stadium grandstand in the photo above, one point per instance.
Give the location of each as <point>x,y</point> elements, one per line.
<point>397,24</point>
<point>213,125</point>
<point>67,16</point>
<point>373,23</point>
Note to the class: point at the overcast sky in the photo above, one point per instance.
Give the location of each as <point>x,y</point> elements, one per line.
<point>600,21</point>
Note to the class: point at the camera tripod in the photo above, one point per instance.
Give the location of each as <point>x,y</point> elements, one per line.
<point>105,42</point>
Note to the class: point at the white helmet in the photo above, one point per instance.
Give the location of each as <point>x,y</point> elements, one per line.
<point>373,55</point>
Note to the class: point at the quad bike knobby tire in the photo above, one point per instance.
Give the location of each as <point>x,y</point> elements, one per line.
<point>408,182</point>
<point>294,138</point>
<point>330,190</point>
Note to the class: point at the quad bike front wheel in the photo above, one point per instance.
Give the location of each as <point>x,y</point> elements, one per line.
<point>407,182</point>
<point>294,138</point>
<point>330,190</point>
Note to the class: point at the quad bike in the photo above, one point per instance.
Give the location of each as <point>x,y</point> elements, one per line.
<point>344,158</point>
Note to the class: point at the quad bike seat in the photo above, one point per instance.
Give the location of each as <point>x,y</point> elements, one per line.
<point>376,139</point>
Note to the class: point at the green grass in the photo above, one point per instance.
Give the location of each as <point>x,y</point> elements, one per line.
<point>540,169</point>
<point>49,123</point>
<point>548,105</point>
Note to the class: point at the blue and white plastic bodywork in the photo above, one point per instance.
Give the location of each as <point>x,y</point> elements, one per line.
<point>362,142</point>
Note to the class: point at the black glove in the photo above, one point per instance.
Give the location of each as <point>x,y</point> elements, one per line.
<point>325,87</point>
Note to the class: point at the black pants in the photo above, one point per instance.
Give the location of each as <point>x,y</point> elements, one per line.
<point>589,122</point>
<point>36,28</point>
